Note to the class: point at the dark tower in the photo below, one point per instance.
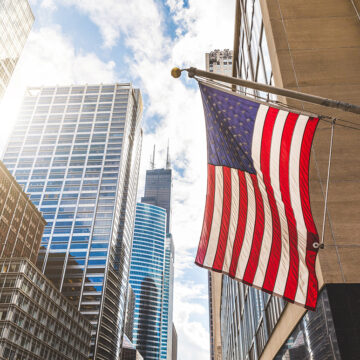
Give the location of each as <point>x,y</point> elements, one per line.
<point>158,185</point>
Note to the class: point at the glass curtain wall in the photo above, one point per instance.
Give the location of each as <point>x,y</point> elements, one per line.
<point>76,151</point>
<point>147,278</point>
<point>16,20</point>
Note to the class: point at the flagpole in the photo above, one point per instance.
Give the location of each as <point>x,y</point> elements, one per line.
<point>327,185</point>
<point>192,72</point>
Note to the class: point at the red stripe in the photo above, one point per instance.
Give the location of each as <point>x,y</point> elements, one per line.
<point>240,231</point>
<point>312,292</point>
<point>293,274</point>
<point>308,218</point>
<point>225,219</point>
<point>258,235</point>
<point>208,215</point>
<point>275,251</point>
<point>304,174</point>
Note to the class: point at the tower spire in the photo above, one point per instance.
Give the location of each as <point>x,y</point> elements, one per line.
<point>152,160</point>
<point>168,161</point>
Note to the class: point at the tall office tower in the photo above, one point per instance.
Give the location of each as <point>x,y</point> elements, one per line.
<point>287,43</point>
<point>158,185</point>
<point>174,343</point>
<point>167,299</point>
<point>76,151</point>
<point>16,20</point>
<point>147,278</point>
<point>21,223</point>
<point>219,61</point>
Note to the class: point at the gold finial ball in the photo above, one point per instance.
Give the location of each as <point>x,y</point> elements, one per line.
<point>175,72</point>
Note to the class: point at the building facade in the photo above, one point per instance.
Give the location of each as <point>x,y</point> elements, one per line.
<point>21,223</point>
<point>129,316</point>
<point>16,19</point>
<point>129,351</point>
<point>158,185</point>
<point>289,44</point>
<point>167,299</point>
<point>174,343</point>
<point>37,322</point>
<point>219,61</point>
<point>158,189</point>
<point>147,278</point>
<point>76,151</point>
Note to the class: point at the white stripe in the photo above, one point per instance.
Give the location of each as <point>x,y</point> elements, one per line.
<point>294,181</point>
<point>234,216</point>
<point>249,229</point>
<point>216,219</point>
<point>267,238</point>
<point>284,265</point>
<point>268,230</point>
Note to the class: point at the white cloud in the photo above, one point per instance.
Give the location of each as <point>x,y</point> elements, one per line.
<point>50,58</point>
<point>201,27</point>
<point>141,25</point>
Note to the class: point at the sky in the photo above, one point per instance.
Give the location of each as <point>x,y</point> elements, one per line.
<point>139,41</point>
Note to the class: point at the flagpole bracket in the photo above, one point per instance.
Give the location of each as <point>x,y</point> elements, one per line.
<point>317,245</point>
<point>191,72</point>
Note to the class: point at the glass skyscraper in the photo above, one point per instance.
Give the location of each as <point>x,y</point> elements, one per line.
<point>147,278</point>
<point>16,20</point>
<point>158,191</point>
<point>158,186</point>
<point>76,151</point>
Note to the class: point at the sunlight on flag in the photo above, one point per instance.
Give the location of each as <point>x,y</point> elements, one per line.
<point>258,227</point>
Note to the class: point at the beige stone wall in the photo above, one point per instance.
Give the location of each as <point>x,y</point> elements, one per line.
<point>216,283</point>
<point>315,48</point>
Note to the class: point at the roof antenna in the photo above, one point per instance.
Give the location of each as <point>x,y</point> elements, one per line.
<point>152,160</point>
<point>168,161</point>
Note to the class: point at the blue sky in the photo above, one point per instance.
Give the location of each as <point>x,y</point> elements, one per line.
<point>139,41</point>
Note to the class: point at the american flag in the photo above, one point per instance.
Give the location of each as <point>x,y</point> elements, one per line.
<point>258,227</point>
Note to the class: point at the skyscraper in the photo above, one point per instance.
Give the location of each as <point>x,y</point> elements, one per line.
<point>167,299</point>
<point>174,343</point>
<point>158,185</point>
<point>147,278</point>
<point>76,151</point>
<point>287,43</point>
<point>16,20</point>
<point>157,193</point>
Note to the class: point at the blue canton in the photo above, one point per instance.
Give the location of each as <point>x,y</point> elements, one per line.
<point>230,125</point>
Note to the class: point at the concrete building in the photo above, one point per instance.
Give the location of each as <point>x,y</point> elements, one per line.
<point>174,343</point>
<point>36,321</point>
<point>167,299</point>
<point>129,316</point>
<point>76,151</point>
<point>21,223</point>
<point>16,19</point>
<point>312,47</point>
<point>219,61</point>
<point>129,351</point>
